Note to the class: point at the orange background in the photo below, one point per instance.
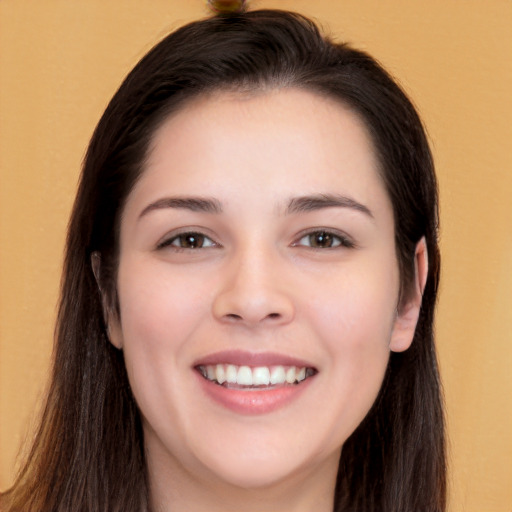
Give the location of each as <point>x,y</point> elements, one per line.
<point>61,61</point>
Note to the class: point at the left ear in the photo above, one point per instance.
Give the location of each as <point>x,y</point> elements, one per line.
<point>408,313</point>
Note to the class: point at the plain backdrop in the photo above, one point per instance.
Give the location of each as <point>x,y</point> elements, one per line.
<point>61,61</point>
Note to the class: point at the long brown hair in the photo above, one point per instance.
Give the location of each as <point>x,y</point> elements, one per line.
<point>88,454</point>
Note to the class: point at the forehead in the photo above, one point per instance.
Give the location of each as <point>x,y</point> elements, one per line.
<point>281,143</point>
<point>277,117</point>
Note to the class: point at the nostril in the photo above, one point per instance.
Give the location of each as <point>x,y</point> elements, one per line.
<point>234,316</point>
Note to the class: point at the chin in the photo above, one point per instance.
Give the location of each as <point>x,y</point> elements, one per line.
<point>266,462</point>
<point>251,474</point>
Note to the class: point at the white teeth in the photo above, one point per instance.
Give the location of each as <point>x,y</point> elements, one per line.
<point>278,375</point>
<point>260,376</point>
<point>231,373</point>
<point>210,372</point>
<point>257,376</point>
<point>290,375</point>
<point>220,374</point>
<point>244,376</point>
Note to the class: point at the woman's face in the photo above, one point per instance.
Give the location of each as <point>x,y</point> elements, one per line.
<point>258,287</point>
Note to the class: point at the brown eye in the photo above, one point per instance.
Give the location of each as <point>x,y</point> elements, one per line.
<point>190,240</point>
<point>321,239</point>
<point>324,240</point>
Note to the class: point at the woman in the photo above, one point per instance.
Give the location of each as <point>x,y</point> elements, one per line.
<point>249,288</point>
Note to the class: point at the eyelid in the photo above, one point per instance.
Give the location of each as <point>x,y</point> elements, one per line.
<point>346,241</point>
<point>166,241</point>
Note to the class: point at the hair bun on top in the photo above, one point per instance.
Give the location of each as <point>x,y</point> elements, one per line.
<point>228,6</point>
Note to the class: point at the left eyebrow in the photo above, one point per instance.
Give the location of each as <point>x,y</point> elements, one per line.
<point>320,201</point>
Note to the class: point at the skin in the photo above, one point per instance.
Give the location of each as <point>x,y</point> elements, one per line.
<point>258,285</point>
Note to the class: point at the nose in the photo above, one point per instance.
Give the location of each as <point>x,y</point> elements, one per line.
<point>253,293</point>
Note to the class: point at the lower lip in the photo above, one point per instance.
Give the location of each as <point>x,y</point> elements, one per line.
<point>255,401</point>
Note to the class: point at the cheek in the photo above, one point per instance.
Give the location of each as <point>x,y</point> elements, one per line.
<point>358,308</point>
<point>354,318</point>
<point>158,310</point>
<point>159,316</point>
<point>357,346</point>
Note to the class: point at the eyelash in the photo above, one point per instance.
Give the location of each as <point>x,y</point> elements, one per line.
<point>338,239</point>
<point>335,239</point>
<point>170,242</point>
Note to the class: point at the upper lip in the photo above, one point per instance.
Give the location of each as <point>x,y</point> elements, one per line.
<point>245,358</point>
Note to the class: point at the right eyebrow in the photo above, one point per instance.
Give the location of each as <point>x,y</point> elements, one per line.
<point>195,204</point>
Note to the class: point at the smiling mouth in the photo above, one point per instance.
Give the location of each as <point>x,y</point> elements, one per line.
<point>259,377</point>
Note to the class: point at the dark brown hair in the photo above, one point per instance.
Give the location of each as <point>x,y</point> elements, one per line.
<point>88,454</point>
